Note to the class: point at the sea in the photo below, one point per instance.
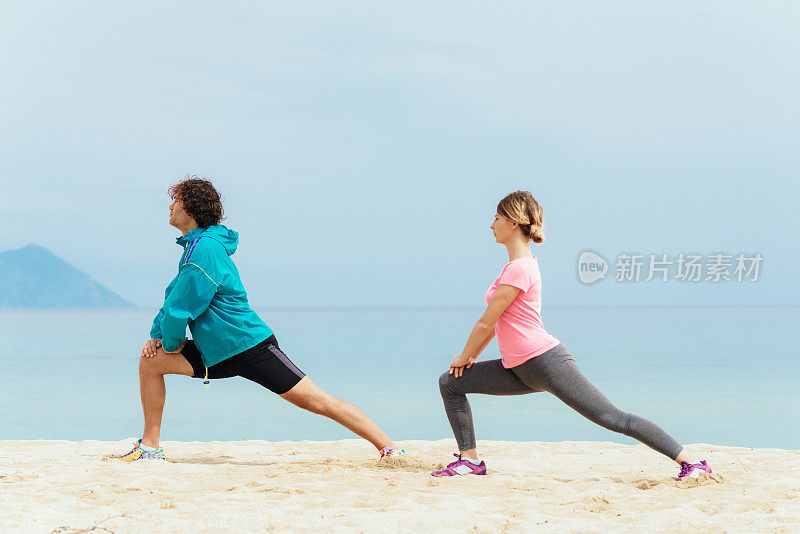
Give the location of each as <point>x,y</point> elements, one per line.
<point>726,376</point>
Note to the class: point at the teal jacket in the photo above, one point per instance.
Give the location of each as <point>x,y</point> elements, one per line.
<point>208,296</point>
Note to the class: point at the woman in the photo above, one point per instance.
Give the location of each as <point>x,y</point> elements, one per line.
<point>532,360</point>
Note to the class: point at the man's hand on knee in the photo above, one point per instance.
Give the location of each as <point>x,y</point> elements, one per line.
<point>151,348</point>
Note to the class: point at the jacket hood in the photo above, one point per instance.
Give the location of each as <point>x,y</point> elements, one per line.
<point>225,236</point>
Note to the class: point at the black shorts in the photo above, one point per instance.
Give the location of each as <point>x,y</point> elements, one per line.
<point>264,364</point>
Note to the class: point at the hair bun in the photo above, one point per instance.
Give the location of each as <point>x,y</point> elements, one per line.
<point>536,234</point>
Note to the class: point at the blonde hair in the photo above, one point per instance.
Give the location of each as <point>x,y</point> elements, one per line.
<point>520,207</point>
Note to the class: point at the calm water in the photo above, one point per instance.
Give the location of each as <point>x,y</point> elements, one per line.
<point>714,375</point>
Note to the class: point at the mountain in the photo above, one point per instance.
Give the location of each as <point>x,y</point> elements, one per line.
<point>34,277</point>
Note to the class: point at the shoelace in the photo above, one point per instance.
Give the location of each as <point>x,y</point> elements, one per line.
<point>458,462</point>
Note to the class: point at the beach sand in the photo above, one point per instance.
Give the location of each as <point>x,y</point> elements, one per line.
<point>258,486</point>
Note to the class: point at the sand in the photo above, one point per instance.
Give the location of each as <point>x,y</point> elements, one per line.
<point>258,486</point>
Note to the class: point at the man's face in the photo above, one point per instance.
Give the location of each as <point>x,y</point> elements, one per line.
<point>177,215</point>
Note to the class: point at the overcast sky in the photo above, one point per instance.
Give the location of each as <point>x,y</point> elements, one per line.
<point>361,148</point>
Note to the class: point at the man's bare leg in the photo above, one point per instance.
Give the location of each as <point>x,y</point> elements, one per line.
<point>153,390</point>
<point>307,395</point>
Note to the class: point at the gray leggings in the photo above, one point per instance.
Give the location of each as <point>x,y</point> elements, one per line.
<point>554,371</point>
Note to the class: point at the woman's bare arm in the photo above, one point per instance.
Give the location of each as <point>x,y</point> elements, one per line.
<point>483,346</point>
<point>476,341</point>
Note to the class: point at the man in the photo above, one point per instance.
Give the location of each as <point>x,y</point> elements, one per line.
<point>229,337</point>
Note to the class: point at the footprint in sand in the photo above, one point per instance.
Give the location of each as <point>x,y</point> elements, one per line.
<point>407,463</point>
<point>88,494</point>
<point>705,479</point>
<point>594,504</point>
<point>212,460</point>
<point>17,477</point>
<point>285,491</point>
<point>647,483</point>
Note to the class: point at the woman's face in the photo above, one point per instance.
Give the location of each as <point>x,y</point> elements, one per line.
<point>502,228</point>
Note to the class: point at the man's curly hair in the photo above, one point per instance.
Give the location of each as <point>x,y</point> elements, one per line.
<point>199,198</point>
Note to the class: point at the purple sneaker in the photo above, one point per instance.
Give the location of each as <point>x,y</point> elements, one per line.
<point>693,470</point>
<point>461,466</point>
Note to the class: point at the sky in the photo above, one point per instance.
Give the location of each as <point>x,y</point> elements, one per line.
<point>361,148</point>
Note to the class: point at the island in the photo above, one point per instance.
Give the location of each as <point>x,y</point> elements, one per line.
<point>34,277</point>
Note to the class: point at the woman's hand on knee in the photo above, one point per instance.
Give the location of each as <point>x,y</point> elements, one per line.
<point>460,363</point>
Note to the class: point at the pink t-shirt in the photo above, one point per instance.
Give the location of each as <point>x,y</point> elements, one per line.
<point>519,330</point>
